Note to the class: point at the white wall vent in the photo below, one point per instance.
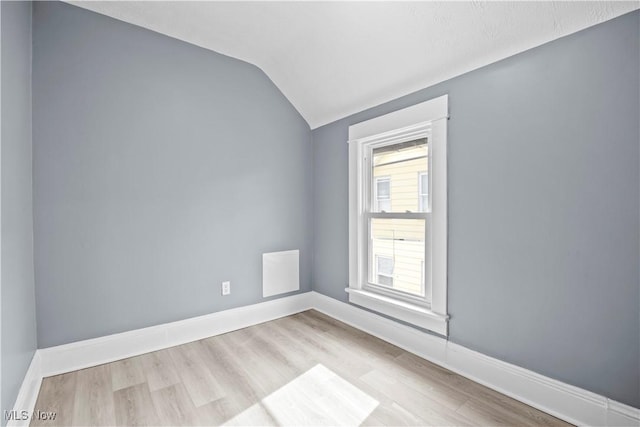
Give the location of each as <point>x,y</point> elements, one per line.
<point>280,272</point>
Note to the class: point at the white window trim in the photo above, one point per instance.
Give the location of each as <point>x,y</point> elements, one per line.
<point>412,121</point>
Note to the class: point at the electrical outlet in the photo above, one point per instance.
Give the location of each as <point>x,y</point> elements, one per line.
<point>226,288</point>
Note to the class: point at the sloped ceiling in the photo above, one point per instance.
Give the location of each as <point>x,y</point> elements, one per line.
<point>333,59</point>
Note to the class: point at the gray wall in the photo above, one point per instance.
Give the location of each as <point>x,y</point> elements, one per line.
<point>160,170</point>
<point>18,299</point>
<point>543,208</point>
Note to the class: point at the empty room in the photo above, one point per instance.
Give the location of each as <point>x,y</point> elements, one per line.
<point>303,213</point>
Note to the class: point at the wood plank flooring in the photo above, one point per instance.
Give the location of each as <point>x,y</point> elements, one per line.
<point>306,369</point>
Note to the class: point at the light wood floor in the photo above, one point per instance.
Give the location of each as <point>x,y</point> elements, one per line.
<point>306,369</point>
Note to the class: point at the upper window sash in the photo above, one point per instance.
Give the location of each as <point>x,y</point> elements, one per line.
<point>370,183</point>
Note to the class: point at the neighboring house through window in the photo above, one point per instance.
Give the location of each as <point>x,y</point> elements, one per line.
<point>384,270</point>
<point>383,194</point>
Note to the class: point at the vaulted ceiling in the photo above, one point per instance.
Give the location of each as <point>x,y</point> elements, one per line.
<point>332,59</point>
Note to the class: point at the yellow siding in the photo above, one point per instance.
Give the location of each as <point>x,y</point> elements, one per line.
<point>403,241</point>
<point>404,183</point>
<point>399,229</point>
<point>408,258</point>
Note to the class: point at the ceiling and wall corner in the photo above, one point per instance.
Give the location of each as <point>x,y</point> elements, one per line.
<point>333,59</point>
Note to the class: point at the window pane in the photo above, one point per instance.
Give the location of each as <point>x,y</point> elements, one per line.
<point>397,250</point>
<point>384,265</point>
<point>395,168</point>
<point>384,205</point>
<point>382,194</point>
<point>384,188</point>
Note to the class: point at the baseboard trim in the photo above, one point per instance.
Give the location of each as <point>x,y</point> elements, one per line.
<point>620,414</point>
<point>83,354</point>
<point>567,402</point>
<point>28,393</point>
<point>572,404</point>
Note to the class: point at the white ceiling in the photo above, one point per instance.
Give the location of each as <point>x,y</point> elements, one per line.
<point>332,59</point>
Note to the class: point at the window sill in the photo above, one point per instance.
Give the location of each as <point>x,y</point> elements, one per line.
<point>410,313</point>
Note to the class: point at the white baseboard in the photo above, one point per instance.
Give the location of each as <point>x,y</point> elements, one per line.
<point>620,414</point>
<point>83,354</point>
<point>572,404</point>
<point>567,402</point>
<point>28,393</point>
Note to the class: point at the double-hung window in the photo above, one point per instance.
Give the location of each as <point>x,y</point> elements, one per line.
<point>398,214</point>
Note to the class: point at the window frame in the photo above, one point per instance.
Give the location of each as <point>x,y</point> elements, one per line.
<point>427,119</point>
